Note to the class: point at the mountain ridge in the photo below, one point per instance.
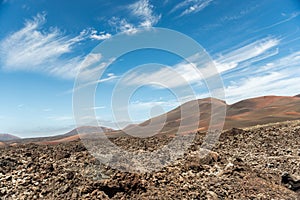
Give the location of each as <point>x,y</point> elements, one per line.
<point>244,113</point>
<point>4,137</point>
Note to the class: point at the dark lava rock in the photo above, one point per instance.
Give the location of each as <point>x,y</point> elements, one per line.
<point>244,164</point>
<point>290,181</point>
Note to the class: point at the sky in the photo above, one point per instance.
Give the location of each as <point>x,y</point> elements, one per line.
<point>255,46</point>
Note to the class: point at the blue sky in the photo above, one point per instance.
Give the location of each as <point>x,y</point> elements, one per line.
<point>255,46</point>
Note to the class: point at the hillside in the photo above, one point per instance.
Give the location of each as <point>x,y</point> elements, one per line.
<point>260,162</point>
<point>249,112</point>
<point>66,137</point>
<point>88,129</point>
<point>245,113</point>
<point>262,110</point>
<point>7,137</point>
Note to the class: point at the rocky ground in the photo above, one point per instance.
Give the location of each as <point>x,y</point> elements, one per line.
<point>260,162</point>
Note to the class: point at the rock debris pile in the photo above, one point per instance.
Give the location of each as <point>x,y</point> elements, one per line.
<point>260,162</point>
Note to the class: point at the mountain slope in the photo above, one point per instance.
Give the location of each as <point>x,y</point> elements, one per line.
<point>74,134</point>
<point>262,110</point>
<point>87,129</point>
<point>7,137</point>
<point>245,113</point>
<point>249,112</point>
<point>173,119</point>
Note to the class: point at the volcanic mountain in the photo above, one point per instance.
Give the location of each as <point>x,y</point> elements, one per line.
<point>88,129</point>
<point>197,117</point>
<point>7,137</point>
<point>245,113</point>
<point>262,110</point>
<point>75,134</point>
<point>67,137</point>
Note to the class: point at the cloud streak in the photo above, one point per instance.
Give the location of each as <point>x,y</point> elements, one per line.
<point>291,16</point>
<point>178,75</point>
<point>122,26</point>
<point>143,11</point>
<point>244,56</point>
<point>33,48</point>
<point>191,6</point>
<point>277,77</point>
<point>252,52</point>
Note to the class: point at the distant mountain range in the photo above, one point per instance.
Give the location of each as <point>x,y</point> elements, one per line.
<point>245,113</point>
<point>7,137</point>
<point>88,129</point>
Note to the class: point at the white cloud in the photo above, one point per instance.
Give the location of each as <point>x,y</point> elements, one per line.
<point>121,25</point>
<point>273,83</point>
<point>63,68</point>
<point>191,6</point>
<point>98,107</point>
<point>100,36</point>
<point>185,72</point>
<point>290,17</point>
<point>180,74</point>
<point>33,48</point>
<point>143,10</point>
<point>232,59</point>
<point>240,14</point>
<point>279,77</point>
<point>248,54</point>
<point>29,47</point>
<point>91,59</point>
<point>289,63</point>
<point>91,72</point>
<point>88,76</point>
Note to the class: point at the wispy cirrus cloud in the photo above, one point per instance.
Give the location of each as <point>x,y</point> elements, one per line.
<point>281,77</point>
<point>229,18</point>
<point>181,74</point>
<point>191,6</point>
<point>122,26</point>
<point>143,11</point>
<point>240,14</point>
<point>33,48</point>
<point>86,77</point>
<point>253,52</point>
<point>273,83</point>
<point>186,72</point>
<point>290,17</point>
